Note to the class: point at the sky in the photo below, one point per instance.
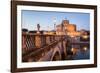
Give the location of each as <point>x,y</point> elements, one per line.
<point>46,19</point>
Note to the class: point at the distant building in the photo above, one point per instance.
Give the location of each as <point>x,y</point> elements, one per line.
<point>59,30</point>
<point>65,28</point>
<point>70,27</point>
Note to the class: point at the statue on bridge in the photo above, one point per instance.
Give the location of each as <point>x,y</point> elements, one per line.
<point>38,28</point>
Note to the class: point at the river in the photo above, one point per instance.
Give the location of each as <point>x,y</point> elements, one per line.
<point>78,52</point>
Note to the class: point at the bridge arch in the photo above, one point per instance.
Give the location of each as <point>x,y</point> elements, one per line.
<point>56,55</point>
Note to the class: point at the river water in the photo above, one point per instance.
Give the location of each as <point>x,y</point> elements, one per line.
<point>78,52</point>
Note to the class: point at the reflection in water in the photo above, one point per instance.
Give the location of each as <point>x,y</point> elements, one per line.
<point>78,52</point>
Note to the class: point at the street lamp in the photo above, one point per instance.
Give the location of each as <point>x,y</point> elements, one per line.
<point>54,20</point>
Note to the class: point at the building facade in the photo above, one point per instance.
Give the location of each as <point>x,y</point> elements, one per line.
<point>65,28</point>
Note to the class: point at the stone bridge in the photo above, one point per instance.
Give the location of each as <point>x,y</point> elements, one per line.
<point>43,47</point>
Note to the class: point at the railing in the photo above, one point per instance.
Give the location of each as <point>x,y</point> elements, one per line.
<point>36,45</point>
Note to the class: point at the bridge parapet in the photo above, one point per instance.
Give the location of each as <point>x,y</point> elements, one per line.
<point>37,45</point>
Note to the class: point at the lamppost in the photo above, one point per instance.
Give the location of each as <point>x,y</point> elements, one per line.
<point>54,20</point>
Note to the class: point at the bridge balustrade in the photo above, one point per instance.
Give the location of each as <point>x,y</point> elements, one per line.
<point>31,41</point>
<point>34,42</point>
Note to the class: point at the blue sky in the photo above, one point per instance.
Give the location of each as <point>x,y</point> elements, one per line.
<point>30,19</point>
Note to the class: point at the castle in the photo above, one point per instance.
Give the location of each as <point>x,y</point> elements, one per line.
<point>65,28</point>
